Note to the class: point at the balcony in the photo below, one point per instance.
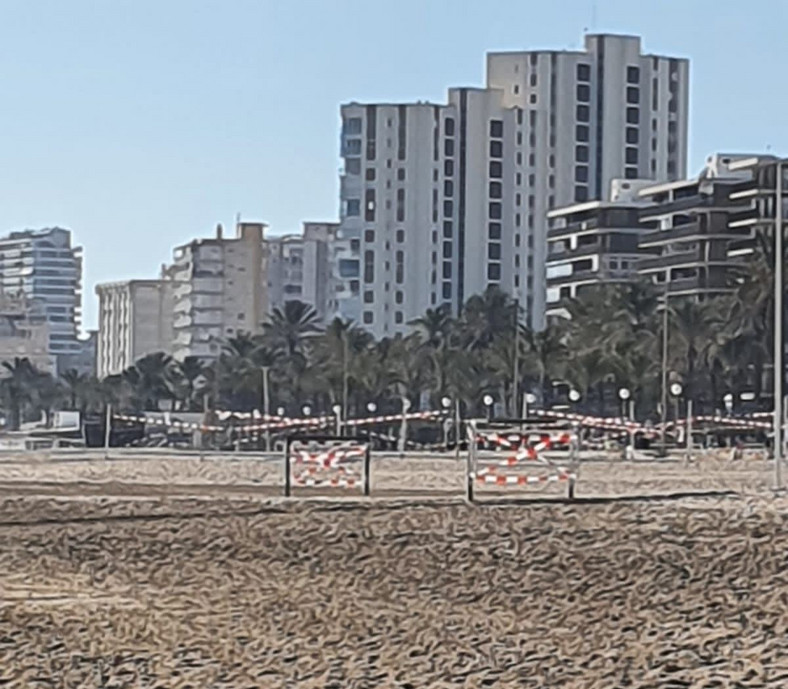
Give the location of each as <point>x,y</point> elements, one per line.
<point>684,259</point>
<point>580,252</point>
<point>684,205</point>
<point>690,231</point>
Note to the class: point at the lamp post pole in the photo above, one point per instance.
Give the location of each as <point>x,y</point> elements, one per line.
<point>778,326</point>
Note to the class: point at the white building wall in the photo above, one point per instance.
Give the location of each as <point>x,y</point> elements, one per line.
<point>135,319</point>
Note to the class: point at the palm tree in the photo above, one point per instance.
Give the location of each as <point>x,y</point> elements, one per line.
<point>16,389</point>
<point>152,378</point>
<point>291,325</point>
<point>74,387</point>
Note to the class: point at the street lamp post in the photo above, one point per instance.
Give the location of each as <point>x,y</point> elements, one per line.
<point>727,400</point>
<point>266,407</point>
<point>372,407</point>
<point>337,409</point>
<point>778,325</point>
<point>625,395</point>
<point>446,403</point>
<point>675,390</point>
<point>488,401</point>
<point>403,429</point>
<point>306,409</point>
<point>574,396</point>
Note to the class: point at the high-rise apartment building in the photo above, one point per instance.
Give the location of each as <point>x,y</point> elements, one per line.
<point>595,115</point>
<point>445,200</point>
<point>299,267</point>
<point>135,319</point>
<point>43,267</point>
<point>219,291</point>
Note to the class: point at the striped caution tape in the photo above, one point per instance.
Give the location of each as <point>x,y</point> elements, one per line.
<point>519,480</point>
<point>412,416</point>
<point>334,482</point>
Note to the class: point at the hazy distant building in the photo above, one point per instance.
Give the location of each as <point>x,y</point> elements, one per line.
<point>135,319</point>
<point>300,268</point>
<point>24,333</point>
<point>42,266</point>
<point>220,290</point>
<point>445,200</point>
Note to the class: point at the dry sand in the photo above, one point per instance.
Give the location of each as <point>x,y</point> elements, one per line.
<point>201,579</point>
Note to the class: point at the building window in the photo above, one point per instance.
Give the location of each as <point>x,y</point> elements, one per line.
<point>448,209</point>
<point>355,245</point>
<point>369,205</point>
<point>583,93</point>
<point>447,249</point>
<point>633,95</point>
<point>495,210</point>
<point>448,126</point>
<point>494,251</point>
<point>369,267</point>
<point>399,273</point>
<point>353,208</point>
<point>496,169</point>
<point>493,271</point>
<point>494,230</point>
<point>631,156</point>
<point>581,173</point>
<point>367,317</point>
<point>448,188</point>
<point>447,290</point>
<point>583,113</point>
<point>353,166</point>
<point>532,99</point>
<point>532,79</point>
<point>400,236</point>
<point>632,135</point>
<point>448,168</point>
<point>447,229</point>
<point>370,174</point>
<point>581,132</point>
<point>369,296</point>
<point>401,174</point>
<point>353,125</point>
<point>631,172</point>
<point>518,219</point>
<point>446,270</point>
<point>633,115</point>
<point>515,89</point>
<point>496,149</point>
<point>496,190</point>
<point>400,205</point>
<point>369,236</point>
<point>633,75</point>
<point>518,199</point>
<point>581,154</point>
<point>581,194</point>
<point>398,316</point>
<point>496,128</point>
<point>448,147</point>
<point>583,72</point>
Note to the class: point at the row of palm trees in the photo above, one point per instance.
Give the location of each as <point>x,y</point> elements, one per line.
<point>612,339</point>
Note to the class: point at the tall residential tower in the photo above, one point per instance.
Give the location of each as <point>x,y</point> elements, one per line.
<point>445,200</point>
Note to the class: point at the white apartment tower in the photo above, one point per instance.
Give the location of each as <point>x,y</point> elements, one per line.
<point>445,200</point>
<point>300,267</point>
<point>220,290</point>
<point>135,319</point>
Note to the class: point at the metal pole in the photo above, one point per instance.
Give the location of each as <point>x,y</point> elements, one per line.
<point>689,430</point>
<point>108,431</point>
<point>516,372</point>
<point>287,468</point>
<point>457,428</point>
<point>344,377</point>
<point>403,429</point>
<point>778,327</point>
<point>664,410</point>
<point>338,414</point>
<point>525,406</point>
<point>632,426</point>
<point>266,408</point>
<point>470,465</point>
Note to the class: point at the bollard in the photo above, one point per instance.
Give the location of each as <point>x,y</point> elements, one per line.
<point>287,468</point>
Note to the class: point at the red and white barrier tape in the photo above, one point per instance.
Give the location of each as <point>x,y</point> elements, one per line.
<point>518,480</point>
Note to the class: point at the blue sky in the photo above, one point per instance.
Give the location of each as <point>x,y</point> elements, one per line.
<point>140,124</point>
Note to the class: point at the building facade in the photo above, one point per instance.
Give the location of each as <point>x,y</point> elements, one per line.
<point>24,332</point>
<point>220,290</point>
<point>299,267</point>
<point>135,319</point>
<point>594,242</point>
<point>693,231</point>
<point>446,200</point>
<point>43,267</point>
<point>607,112</point>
